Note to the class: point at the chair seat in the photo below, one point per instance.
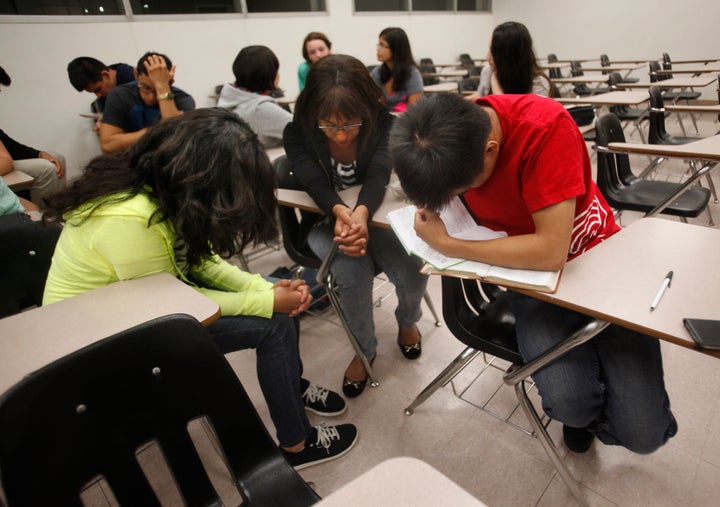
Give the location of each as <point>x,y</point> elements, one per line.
<point>676,140</point>
<point>644,195</point>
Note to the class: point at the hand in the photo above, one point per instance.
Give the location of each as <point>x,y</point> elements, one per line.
<point>291,296</point>
<point>59,169</point>
<point>351,230</point>
<point>159,74</point>
<point>430,228</point>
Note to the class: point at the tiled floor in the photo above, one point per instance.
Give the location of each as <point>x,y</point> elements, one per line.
<point>496,463</point>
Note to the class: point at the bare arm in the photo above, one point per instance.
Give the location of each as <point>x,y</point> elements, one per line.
<point>162,78</point>
<point>545,249</point>
<point>6,161</point>
<point>414,97</point>
<point>113,139</point>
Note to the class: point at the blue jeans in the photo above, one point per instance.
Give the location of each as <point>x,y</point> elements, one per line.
<point>275,341</point>
<point>612,384</point>
<point>354,278</point>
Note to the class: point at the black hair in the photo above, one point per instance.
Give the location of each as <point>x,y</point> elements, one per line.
<point>514,58</point>
<point>402,58</point>
<point>141,68</point>
<point>438,147</point>
<point>207,172</point>
<point>255,69</point>
<point>85,70</point>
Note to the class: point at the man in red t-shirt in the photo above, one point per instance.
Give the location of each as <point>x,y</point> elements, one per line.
<point>522,167</point>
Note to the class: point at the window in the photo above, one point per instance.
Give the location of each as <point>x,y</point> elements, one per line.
<point>62,7</point>
<point>380,5</point>
<point>182,6</point>
<point>423,5</point>
<point>286,5</point>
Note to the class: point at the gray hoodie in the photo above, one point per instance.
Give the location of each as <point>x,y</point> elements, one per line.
<point>261,112</point>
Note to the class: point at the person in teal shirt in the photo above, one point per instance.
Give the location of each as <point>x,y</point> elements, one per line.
<point>191,192</point>
<point>315,46</point>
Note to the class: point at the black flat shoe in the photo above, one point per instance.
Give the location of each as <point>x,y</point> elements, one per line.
<point>577,439</point>
<point>413,350</point>
<point>354,388</point>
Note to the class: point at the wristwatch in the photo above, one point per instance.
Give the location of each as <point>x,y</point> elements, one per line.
<point>166,96</point>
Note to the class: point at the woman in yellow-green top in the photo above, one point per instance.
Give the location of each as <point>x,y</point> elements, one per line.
<point>193,190</point>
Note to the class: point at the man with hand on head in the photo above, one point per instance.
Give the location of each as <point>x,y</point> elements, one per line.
<point>131,108</point>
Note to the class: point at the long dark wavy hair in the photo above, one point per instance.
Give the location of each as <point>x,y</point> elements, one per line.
<point>207,172</point>
<point>402,58</point>
<point>515,63</point>
<point>342,85</point>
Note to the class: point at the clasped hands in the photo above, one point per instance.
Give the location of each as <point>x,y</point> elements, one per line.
<point>291,296</point>
<point>351,230</point>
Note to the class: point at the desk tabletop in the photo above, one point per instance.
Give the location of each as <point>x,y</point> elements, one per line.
<point>18,180</point>
<point>706,149</point>
<point>446,73</point>
<point>695,60</point>
<point>617,280</point>
<point>35,338</point>
<point>691,108</point>
<point>614,67</point>
<point>687,82</point>
<point>690,70</point>
<point>447,86</point>
<point>590,78</point>
<point>611,98</point>
<point>421,486</point>
<point>553,65</point>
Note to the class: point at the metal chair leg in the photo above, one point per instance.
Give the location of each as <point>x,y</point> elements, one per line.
<point>449,373</point>
<point>431,306</point>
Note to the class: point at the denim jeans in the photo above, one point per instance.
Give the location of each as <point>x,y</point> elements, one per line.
<point>275,341</point>
<point>354,278</point>
<point>612,384</point>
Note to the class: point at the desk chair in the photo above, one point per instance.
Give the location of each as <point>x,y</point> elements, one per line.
<point>88,413</point>
<point>486,324</point>
<point>625,113</point>
<point>605,62</point>
<point>625,191</point>
<point>26,248</point>
<point>583,89</point>
<point>295,226</point>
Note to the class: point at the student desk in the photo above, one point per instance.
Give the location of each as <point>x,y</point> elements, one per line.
<point>446,73</point>
<point>613,67</point>
<point>35,338</point>
<point>690,70</point>
<point>675,82</point>
<point>584,79</point>
<point>446,86</point>
<point>704,61</point>
<point>619,98</point>
<point>17,180</point>
<point>420,486</point>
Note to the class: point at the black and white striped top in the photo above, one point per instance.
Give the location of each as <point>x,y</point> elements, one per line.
<point>343,175</point>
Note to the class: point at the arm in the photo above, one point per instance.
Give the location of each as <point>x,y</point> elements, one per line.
<point>272,119</point>
<point>59,169</point>
<point>162,79</point>
<point>545,249</point>
<point>114,139</point>
<point>6,161</point>
<point>414,86</point>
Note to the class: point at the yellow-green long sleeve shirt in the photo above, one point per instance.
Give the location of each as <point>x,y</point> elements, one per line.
<point>115,243</point>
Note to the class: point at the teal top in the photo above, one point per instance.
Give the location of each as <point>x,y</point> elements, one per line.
<point>303,70</point>
<point>9,202</point>
<point>116,243</point>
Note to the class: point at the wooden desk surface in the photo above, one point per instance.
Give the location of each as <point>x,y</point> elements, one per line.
<point>611,98</point>
<point>591,78</point>
<point>706,149</point>
<point>690,70</point>
<point>33,339</point>
<point>448,86</point>
<point>18,180</point>
<point>616,67</point>
<point>680,108</point>
<point>687,82</point>
<point>696,60</point>
<point>617,279</point>
<point>446,73</point>
<point>553,65</point>
<point>421,486</point>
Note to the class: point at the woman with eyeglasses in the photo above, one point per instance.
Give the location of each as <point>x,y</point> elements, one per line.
<point>398,76</point>
<point>339,139</point>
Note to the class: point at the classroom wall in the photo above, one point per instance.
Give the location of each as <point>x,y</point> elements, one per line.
<point>41,107</point>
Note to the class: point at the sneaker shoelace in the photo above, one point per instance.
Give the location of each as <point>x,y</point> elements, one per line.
<point>325,435</point>
<point>316,393</point>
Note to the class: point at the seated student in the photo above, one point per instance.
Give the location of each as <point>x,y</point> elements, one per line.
<point>191,190</point>
<point>132,107</point>
<point>47,168</point>
<point>398,76</point>
<point>512,66</point>
<point>522,166</point>
<point>10,203</point>
<point>256,76</point>
<point>315,46</point>
<point>93,76</point>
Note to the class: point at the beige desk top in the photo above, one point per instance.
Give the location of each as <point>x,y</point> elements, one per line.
<point>448,86</point>
<point>553,65</point>
<point>687,82</point>
<point>400,482</point>
<point>680,108</point>
<point>591,78</point>
<point>697,60</point>
<point>611,98</point>
<point>614,67</point>
<point>617,279</point>
<point>635,61</point>
<point>690,70</point>
<point>17,180</point>
<point>32,339</point>
<point>706,149</point>
<point>447,73</point>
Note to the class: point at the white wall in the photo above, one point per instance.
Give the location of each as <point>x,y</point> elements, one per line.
<point>41,107</point>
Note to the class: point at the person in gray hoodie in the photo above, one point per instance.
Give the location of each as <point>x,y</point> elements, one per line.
<point>256,76</point>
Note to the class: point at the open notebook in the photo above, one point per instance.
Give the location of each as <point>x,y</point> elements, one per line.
<point>460,224</point>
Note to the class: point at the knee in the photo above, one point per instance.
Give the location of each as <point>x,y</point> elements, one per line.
<point>645,437</point>
<point>570,406</point>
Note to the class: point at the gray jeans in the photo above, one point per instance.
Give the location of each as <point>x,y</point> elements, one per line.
<point>45,174</point>
<point>354,278</point>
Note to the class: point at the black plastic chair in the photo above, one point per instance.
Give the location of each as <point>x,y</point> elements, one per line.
<point>605,62</point>
<point>487,325</point>
<point>584,116</point>
<point>26,249</point>
<point>625,191</point>
<point>627,114</point>
<point>87,414</point>
<point>583,89</point>
<point>295,226</point>
<point>428,68</point>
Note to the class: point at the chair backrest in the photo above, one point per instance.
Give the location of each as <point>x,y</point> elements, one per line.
<point>604,60</point>
<point>614,79</point>
<point>583,115</point>
<point>429,67</point>
<point>552,57</point>
<point>295,224</point>
<point>576,68</point>
<point>667,63</point>
<point>429,61</point>
<point>654,76</point>
<point>88,413</point>
<point>26,250</point>
<point>482,325</point>
<point>466,60</point>
<point>613,169</point>
<point>657,133</point>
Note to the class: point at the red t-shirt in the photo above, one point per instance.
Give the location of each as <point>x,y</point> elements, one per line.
<point>542,161</point>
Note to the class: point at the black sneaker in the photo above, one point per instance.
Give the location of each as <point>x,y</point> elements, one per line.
<point>325,443</point>
<point>577,439</point>
<point>320,400</point>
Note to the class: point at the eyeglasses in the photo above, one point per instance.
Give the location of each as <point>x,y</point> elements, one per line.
<point>382,46</point>
<point>332,129</point>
